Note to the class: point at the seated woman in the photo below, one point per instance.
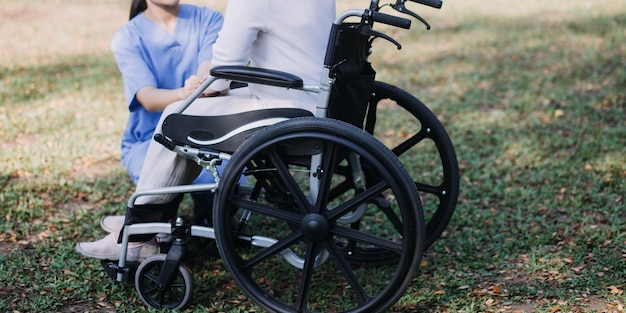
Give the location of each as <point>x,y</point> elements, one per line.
<point>289,36</point>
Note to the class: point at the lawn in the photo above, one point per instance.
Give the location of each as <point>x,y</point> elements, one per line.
<point>532,95</point>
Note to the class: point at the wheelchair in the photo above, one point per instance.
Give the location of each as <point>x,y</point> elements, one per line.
<point>312,212</point>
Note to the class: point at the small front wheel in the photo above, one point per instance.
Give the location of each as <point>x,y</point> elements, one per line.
<point>173,296</point>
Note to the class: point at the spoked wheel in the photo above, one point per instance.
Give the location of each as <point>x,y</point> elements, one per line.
<point>175,296</point>
<point>407,127</point>
<point>290,256</point>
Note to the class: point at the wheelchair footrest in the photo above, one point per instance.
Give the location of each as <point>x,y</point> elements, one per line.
<point>112,269</point>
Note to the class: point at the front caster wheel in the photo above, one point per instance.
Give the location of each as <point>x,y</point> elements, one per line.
<point>173,296</point>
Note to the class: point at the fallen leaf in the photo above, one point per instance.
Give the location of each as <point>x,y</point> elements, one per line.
<point>615,290</point>
<point>558,113</point>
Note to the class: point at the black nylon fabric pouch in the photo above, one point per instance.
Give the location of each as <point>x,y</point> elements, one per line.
<point>354,76</point>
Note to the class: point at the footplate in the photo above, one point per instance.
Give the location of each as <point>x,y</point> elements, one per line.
<point>112,269</point>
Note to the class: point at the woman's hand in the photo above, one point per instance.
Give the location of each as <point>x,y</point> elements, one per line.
<point>191,84</point>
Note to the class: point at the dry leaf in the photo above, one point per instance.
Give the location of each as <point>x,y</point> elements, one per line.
<point>558,113</point>
<point>615,290</point>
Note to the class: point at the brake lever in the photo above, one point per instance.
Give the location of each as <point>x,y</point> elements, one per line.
<point>400,7</point>
<point>368,31</point>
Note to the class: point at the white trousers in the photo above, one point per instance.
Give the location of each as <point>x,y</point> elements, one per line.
<point>164,168</point>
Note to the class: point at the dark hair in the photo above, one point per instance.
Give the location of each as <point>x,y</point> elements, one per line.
<point>136,7</point>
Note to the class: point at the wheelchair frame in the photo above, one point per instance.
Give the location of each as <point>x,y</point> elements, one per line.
<point>412,227</point>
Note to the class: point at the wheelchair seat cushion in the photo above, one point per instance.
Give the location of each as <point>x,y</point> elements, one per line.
<point>223,133</point>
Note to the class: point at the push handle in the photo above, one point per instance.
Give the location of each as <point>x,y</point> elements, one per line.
<point>391,20</point>
<point>431,3</point>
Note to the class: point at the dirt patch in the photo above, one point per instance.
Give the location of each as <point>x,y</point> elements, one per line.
<point>10,243</point>
<point>7,247</point>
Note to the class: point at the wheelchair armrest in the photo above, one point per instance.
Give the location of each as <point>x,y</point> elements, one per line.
<point>255,75</point>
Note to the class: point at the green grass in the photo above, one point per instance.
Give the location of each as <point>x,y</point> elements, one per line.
<point>531,93</point>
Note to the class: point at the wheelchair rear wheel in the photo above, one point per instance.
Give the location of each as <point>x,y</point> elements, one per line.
<point>288,250</point>
<point>423,146</point>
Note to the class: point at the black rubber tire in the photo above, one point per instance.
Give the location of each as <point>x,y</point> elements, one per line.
<point>418,135</point>
<point>276,160</point>
<point>176,296</point>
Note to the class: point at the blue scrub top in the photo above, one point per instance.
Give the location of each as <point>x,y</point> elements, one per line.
<point>148,56</point>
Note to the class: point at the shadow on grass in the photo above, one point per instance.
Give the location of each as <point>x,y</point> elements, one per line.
<point>24,85</point>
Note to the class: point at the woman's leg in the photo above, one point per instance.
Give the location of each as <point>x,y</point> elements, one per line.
<point>163,168</point>
<point>133,158</point>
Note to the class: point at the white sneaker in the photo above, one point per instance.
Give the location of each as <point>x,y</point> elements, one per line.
<point>107,248</point>
<point>113,224</point>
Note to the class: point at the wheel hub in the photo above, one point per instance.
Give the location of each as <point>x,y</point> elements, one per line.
<point>315,227</point>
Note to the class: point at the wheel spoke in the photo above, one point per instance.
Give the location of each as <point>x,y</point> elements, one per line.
<point>435,190</point>
<point>358,199</point>
<point>289,181</point>
<point>152,290</point>
<point>410,143</point>
<point>307,273</point>
<point>273,250</point>
<point>325,176</point>
<point>346,270</point>
<point>161,298</point>
<point>171,294</point>
<point>367,238</point>
<point>289,217</point>
<point>152,278</point>
<point>340,189</point>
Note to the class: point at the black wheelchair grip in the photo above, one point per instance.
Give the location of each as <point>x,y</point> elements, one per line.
<point>164,141</point>
<point>431,3</point>
<point>391,20</point>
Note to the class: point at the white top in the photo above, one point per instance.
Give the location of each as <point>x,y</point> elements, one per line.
<point>284,35</point>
